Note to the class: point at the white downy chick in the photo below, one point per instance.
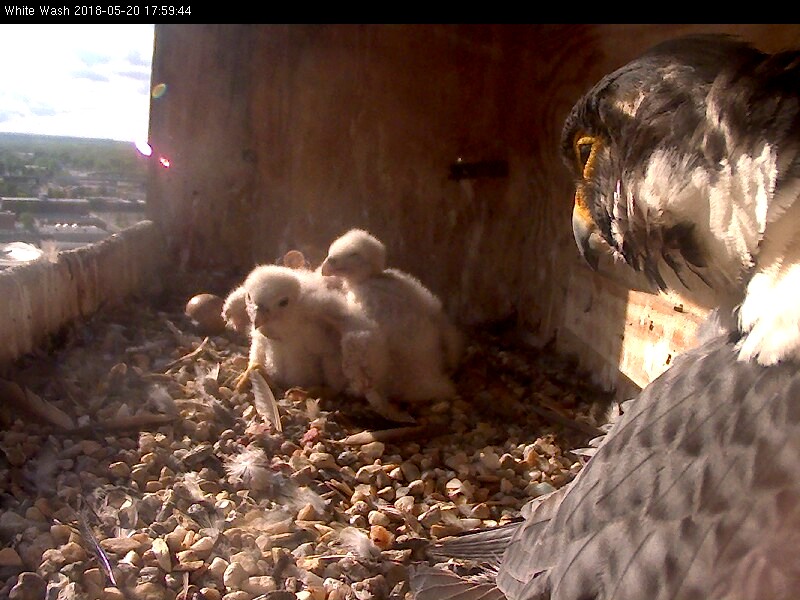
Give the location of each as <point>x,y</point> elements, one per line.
<point>423,344</point>
<point>306,333</point>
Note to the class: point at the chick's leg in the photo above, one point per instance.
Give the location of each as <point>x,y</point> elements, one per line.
<point>259,352</point>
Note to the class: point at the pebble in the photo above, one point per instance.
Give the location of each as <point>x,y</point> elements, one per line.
<point>73,552</point>
<point>161,552</point>
<point>234,575</point>
<point>258,585</point>
<point>120,546</point>
<point>29,586</point>
<point>169,513</point>
<point>9,558</point>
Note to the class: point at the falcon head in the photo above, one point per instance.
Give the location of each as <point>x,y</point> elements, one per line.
<point>355,256</point>
<point>272,295</point>
<point>686,168</point>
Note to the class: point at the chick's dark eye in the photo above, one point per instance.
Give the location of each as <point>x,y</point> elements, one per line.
<point>283,302</point>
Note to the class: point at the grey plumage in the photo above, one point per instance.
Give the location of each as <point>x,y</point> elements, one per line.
<point>693,494</point>
<point>686,165</point>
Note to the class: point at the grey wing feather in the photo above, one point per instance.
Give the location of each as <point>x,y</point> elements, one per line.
<point>428,583</point>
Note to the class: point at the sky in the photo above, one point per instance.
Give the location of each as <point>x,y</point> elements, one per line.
<point>90,81</point>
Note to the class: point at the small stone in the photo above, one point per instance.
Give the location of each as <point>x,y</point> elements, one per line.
<point>308,513</point>
<point>323,460</point>
<point>34,514</point>
<point>120,546</point>
<point>410,471</point>
<point>405,504</point>
<point>210,593</point>
<point>285,595</point>
<point>260,584</point>
<point>94,577</point>
<point>490,459</point>
<point>61,533</point>
<point>372,450</point>
<point>217,567</point>
<point>73,552</point>
<point>202,546</point>
<point>540,489</point>
<point>92,448</point>
<point>44,507</point>
<point>153,486</point>
<point>238,595</point>
<point>119,469</point>
<point>481,511</point>
<point>376,517</point>
<point>381,537</point>
<point>29,586</point>
<point>248,560</point>
<point>161,552</point>
<point>234,575</point>
<point>112,593</point>
<point>152,591</point>
<point>9,558</point>
<point>175,538</point>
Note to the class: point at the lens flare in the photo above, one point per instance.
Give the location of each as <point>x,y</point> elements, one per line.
<point>159,90</point>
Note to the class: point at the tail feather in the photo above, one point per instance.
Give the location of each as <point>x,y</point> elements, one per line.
<point>480,545</point>
<point>429,583</point>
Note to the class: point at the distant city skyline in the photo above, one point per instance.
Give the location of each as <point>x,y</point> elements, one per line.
<point>89,81</point>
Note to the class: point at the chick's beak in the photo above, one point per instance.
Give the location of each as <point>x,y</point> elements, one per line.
<point>328,267</point>
<point>586,233</point>
<point>260,318</point>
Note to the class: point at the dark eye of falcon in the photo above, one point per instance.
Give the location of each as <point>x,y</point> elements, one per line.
<point>585,149</point>
<point>283,302</point>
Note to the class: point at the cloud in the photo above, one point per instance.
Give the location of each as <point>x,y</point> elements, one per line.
<point>137,75</point>
<point>90,75</point>
<point>44,111</point>
<point>91,58</point>
<point>86,81</point>
<point>138,59</point>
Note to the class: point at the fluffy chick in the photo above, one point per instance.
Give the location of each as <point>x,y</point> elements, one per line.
<point>423,344</point>
<point>305,333</point>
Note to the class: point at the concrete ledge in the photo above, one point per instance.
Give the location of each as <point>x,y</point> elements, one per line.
<point>37,299</point>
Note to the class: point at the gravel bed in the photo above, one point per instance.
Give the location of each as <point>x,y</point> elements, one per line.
<point>131,469</point>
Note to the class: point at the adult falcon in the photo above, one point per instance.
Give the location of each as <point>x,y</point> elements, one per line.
<point>686,163</point>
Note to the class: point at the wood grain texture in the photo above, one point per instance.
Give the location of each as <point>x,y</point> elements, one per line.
<point>284,136</point>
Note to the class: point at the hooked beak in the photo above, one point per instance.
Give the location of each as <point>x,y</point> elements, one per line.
<point>587,236</point>
<point>328,267</point>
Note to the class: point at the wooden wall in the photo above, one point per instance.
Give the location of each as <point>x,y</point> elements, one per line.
<point>285,136</point>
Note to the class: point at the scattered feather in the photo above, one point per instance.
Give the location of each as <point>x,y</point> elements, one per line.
<point>91,541</point>
<point>358,542</point>
<point>44,471</point>
<point>251,468</point>
<point>161,401</point>
<point>192,487</point>
<point>265,402</point>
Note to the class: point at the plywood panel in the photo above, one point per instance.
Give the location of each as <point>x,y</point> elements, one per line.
<point>284,136</point>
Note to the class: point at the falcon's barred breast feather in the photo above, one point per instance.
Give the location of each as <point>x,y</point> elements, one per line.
<point>687,170</point>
